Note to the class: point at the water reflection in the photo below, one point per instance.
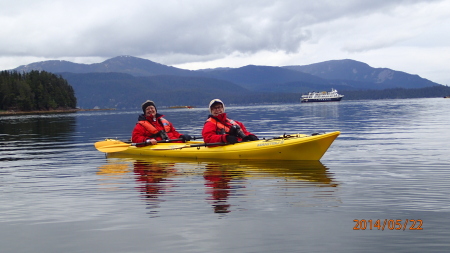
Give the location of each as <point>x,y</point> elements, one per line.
<point>114,170</point>
<point>323,110</point>
<point>224,183</point>
<point>24,127</point>
<point>28,137</point>
<point>154,180</point>
<point>219,185</point>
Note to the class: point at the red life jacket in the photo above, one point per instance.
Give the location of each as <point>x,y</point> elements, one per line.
<point>152,129</point>
<point>221,126</point>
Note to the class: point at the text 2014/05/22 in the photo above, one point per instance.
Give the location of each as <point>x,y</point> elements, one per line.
<point>388,224</point>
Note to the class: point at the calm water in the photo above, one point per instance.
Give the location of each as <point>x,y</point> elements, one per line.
<point>391,162</point>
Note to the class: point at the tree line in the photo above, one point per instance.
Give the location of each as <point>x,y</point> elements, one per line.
<point>35,91</point>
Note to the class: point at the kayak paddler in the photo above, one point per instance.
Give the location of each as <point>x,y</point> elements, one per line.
<point>152,127</point>
<point>219,128</point>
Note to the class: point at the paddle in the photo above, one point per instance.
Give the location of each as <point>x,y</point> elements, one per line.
<point>109,142</point>
<point>193,146</point>
<point>118,147</point>
<point>109,146</point>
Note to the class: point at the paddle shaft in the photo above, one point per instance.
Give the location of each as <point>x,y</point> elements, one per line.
<point>108,142</point>
<point>162,141</point>
<point>117,146</point>
<point>194,145</point>
<point>208,144</point>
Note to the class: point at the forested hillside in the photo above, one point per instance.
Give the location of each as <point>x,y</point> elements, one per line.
<point>362,76</point>
<point>35,90</point>
<point>118,90</point>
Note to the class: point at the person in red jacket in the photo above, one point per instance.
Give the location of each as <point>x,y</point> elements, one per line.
<point>152,127</point>
<point>218,128</point>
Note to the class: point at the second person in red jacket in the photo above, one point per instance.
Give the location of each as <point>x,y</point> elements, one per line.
<point>219,128</point>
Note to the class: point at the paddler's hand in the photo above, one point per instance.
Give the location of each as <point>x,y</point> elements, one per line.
<point>231,139</point>
<point>151,142</point>
<point>250,137</point>
<point>186,137</point>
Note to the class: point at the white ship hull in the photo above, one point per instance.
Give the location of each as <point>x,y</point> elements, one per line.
<point>322,96</point>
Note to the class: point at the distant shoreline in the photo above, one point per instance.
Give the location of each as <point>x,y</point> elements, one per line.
<point>51,111</point>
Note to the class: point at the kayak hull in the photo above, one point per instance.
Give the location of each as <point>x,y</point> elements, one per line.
<point>288,147</point>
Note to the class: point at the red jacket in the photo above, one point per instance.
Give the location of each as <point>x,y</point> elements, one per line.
<point>140,134</point>
<point>212,133</point>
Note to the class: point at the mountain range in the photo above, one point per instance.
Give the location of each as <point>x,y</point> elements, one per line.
<point>126,81</point>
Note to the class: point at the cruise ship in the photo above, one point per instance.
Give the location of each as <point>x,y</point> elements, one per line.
<point>322,96</point>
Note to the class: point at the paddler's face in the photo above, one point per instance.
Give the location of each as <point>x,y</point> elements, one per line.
<point>216,109</point>
<point>150,110</point>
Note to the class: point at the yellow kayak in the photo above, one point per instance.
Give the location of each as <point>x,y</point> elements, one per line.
<point>286,147</point>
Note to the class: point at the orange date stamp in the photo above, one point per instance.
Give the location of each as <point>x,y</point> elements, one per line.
<point>388,224</point>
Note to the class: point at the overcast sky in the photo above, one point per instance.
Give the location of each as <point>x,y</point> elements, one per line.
<point>406,35</point>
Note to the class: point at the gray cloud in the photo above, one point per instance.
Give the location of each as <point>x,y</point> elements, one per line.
<point>110,28</point>
<point>177,32</point>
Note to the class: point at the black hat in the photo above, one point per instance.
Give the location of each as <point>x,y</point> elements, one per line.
<point>147,104</point>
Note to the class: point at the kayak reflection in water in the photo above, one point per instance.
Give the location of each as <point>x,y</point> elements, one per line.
<point>152,127</point>
<point>218,128</point>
